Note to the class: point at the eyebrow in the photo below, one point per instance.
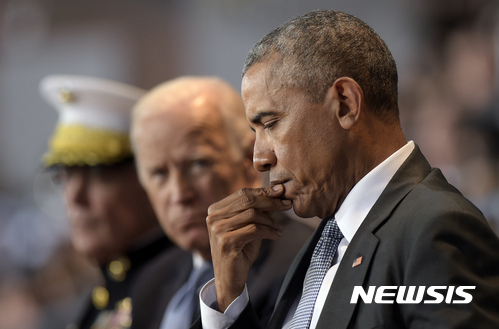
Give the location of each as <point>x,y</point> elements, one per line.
<point>257,118</point>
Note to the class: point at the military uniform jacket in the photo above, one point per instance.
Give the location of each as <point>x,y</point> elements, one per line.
<point>110,305</point>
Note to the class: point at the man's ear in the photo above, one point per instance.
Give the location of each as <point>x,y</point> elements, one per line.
<point>347,99</point>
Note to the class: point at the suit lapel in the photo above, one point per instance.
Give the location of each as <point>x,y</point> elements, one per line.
<point>176,274</point>
<point>338,311</point>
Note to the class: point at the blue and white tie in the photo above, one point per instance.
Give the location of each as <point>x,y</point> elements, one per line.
<point>320,263</point>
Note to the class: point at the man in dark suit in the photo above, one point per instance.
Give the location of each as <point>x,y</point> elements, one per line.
<point>399,247</point>
<point>193,148</point>
<point>111,219</point>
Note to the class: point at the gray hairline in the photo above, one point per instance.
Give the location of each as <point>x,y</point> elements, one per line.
<point>238,138</point>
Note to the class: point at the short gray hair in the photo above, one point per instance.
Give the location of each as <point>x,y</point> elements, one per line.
<point>313,50</point>
<point>223,97</point>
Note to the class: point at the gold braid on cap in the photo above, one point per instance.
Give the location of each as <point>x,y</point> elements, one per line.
<point>79,145</point>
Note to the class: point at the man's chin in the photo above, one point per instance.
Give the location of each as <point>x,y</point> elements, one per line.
<point>96,253</point>
<point>194,240</point>
<point>302,210</point>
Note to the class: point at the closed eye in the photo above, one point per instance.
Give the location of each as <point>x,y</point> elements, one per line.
<point>201,163</point>
<point>270,124</point>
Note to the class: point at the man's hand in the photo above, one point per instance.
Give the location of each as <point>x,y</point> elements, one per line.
<point>236,225</point>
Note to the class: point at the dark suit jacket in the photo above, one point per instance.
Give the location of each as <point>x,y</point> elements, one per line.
<point>420,232</point>
<point>167,274</point>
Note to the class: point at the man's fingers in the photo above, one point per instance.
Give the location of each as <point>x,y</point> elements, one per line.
<point>256,231</point>
<point>237,225</point>
<point>248,217</point>
<point>240,238</point>
<point>252,193</point>
<point>264,198</point>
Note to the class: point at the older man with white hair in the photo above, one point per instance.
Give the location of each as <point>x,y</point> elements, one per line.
<point>194,147</point>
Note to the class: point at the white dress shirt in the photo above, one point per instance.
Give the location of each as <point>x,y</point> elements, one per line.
<point>349,217</point>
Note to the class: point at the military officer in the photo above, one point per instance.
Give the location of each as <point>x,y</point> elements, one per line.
<point>111,220</point>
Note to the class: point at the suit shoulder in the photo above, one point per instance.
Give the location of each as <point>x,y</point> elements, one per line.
<point>167,263</point>
<point>435,212</point>
<point>434,198</point>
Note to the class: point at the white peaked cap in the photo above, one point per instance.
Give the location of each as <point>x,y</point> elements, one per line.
<point>94,120</point>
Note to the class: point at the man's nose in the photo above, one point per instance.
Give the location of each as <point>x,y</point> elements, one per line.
<point>263,156</point>
<point>181,190</point>
<point>76,190</point>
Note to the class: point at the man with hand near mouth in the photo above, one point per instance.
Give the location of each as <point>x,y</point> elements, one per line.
<point>320,92</point>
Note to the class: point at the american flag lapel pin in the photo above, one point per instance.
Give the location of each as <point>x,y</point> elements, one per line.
<point>357,261</point>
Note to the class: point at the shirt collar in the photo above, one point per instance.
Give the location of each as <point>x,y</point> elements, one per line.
<point>366,192</point>
<point>198,261</point>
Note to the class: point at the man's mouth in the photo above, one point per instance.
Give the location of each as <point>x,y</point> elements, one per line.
<point>274,182</point>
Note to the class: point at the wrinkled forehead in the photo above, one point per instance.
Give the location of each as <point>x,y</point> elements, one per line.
<point>193,124</point>
<point>257,85</point>
<point>200,118</point>
<point>264,90</point>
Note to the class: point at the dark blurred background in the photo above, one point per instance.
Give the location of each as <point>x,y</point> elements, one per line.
<point>447,52</point>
